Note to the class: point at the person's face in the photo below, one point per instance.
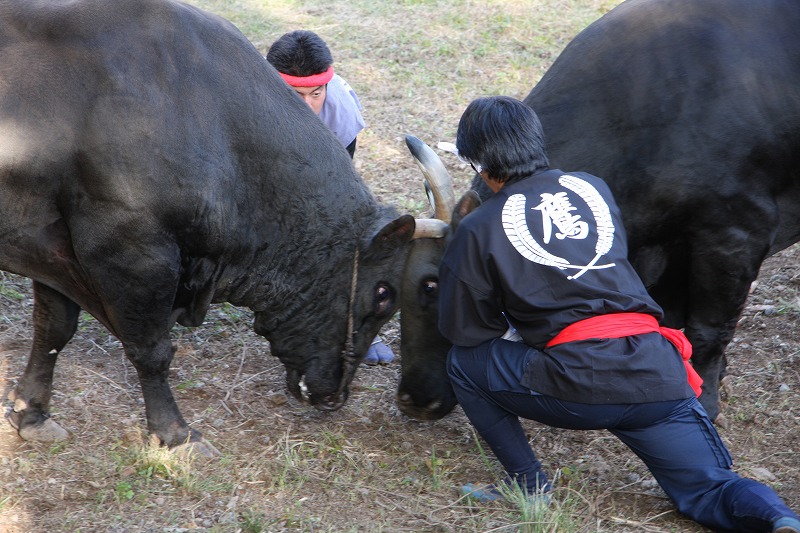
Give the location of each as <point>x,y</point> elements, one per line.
<point>313,96</point>
<point>487,179</point>
<point>492,184</point>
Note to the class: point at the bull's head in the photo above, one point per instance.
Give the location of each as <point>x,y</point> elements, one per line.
<point>425,392</point>
<point>332,324</point>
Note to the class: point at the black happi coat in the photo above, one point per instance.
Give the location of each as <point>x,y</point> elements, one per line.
<point>542,253</point>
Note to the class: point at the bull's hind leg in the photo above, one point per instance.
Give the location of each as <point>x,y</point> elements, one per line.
<point>55,319</point>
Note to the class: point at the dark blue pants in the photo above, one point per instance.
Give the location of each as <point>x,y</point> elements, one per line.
<point>676,440</point>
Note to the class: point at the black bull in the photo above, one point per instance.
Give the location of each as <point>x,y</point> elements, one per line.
<point>153,163</point>
<point>691,112</point>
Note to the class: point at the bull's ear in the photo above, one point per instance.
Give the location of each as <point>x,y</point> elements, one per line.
<point>391,238</point>
<point>466,205</point>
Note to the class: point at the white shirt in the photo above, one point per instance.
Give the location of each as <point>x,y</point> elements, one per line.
<point>341,111</point>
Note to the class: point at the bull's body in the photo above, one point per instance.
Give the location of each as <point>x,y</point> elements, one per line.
<point>691,112</point>
<point>152,163</point>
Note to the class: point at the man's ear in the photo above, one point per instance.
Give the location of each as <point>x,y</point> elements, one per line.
<point>391,238</point>
<point>466,205</point>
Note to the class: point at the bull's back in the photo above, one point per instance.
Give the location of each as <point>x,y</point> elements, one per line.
<point>135,81</point>
<point>138,117</point>
<point>683,105</point>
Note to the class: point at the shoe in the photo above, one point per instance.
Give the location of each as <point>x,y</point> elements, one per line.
<point>488,493</point>
<point>491,493</point>
<point>378,353</point>
<point>787,524</point>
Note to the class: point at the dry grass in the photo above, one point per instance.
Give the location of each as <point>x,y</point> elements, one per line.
<point>285,467</point>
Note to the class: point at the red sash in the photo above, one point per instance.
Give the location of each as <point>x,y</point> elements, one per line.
<point>615,325</point>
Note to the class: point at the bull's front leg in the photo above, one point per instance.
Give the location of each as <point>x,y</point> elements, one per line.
<point>164,419</point>
<point>719,284</point>
<point>708,359</point>
<point>55,320</point>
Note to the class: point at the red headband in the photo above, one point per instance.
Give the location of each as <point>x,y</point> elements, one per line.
<point>314,80</point>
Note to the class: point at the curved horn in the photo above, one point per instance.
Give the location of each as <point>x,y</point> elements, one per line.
<point>430,228</point>
<point>438,182</point>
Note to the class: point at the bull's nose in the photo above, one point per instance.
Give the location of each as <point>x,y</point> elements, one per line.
<point>329,404</point>
<point>404,398</point>
<point>332,402</point>
<point>405,402</point>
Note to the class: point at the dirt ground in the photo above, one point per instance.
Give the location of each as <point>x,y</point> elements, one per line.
<point>366,467</point>
<point>286,467</point>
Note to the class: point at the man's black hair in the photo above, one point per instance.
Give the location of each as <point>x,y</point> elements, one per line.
<point>504,136</point>
<point>300,53</point>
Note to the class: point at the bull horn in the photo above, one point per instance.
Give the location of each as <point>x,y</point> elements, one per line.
<point>430,228</point>
<point>438,183</point>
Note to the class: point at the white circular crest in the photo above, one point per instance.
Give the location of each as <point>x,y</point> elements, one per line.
<point>516,228</point>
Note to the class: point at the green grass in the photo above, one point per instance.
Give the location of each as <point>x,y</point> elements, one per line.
<point>11,293</point>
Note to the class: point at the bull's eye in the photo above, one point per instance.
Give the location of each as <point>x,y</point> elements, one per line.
<point>430,287</point>
<point>384,300</point>
<point>428,294</point>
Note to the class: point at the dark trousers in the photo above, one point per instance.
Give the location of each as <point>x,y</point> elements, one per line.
<point>676,439</point>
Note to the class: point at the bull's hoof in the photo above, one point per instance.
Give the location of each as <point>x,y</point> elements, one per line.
<point>45,431</point>
<point>199,447</point>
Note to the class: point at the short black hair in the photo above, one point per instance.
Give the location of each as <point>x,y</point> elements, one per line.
<point>504,136</point>
<point>300,53</point>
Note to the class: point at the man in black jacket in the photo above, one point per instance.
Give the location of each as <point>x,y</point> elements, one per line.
<point>550,322</point>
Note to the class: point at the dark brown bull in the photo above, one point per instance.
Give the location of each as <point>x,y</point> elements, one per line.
<point>153,163</point>
<point>691,112</point>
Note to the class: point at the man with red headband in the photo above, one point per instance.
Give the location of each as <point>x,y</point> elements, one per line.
<point>305,62</point>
